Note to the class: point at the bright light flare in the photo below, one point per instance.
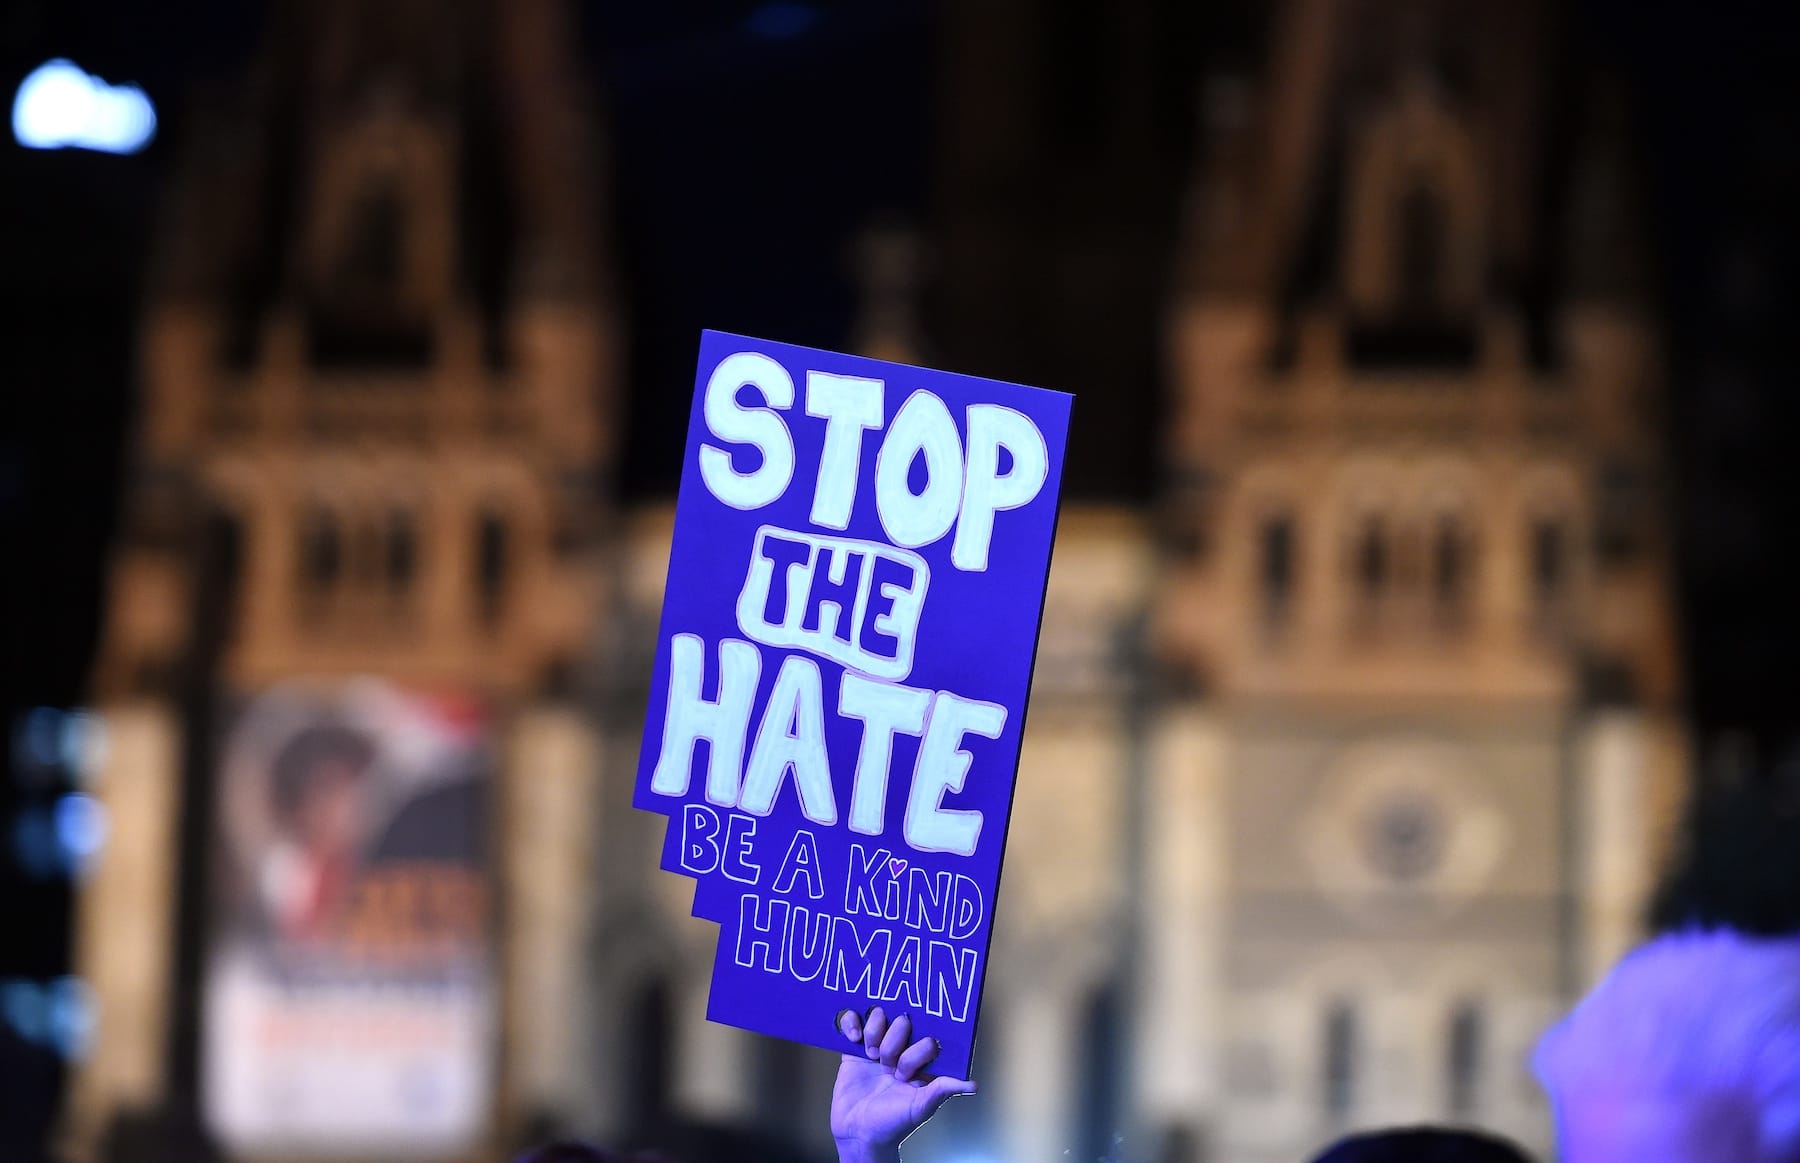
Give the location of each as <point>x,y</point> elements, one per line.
<point>59,106</point>
<point>82,825</point>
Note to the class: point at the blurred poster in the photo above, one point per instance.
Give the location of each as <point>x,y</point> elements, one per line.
<point>350,995</point>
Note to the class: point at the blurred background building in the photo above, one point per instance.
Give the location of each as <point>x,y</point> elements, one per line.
<point>1363,711</point>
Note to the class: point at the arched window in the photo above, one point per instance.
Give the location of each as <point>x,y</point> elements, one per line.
<point>219,585</point>
<point>1621,512</point>
<point>321,558</point>
<point>1276,568</point>
<point>782,1106</point>
<point>1412,269</point>
<point>1372,569</point>
<point>1452,573</point>
<point>401,552</point>
<point>362,312</point>
<point>1463,1053</point>
<point>1549,563</point>
<point>1100,1106</point>
<point>648,1036</point>
<point>371,254</point>
<point>1550,572</point>
<point>1448,567</point>
<point>1419,265</point>
<point>1339,1059</point>
<point>368,550</point>
<point>491,551</point>
<point>1373,562</point>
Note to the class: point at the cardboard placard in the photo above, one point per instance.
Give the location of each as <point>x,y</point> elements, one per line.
<point>854,592</point>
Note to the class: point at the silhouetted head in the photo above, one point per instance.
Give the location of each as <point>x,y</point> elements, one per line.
<point>1423,1145</point>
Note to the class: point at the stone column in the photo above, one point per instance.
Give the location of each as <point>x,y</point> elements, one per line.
<point>1179,1033</point>
<point>124,923</point>
<point>712,1062</point>
<point>1612,872</point>
<point>550,810</point>
<point>1401,1072</point>
<point>1036,1086</point>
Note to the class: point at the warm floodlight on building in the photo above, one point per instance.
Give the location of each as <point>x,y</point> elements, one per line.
<point>59,106</point>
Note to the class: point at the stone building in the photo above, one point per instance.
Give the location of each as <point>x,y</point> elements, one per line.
<point>1415,609</point>
<point>1351,756</point>
<point>1350,752</point>
<point>376,355</point>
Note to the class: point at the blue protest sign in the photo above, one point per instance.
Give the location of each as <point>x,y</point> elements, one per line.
<point>855,586</point>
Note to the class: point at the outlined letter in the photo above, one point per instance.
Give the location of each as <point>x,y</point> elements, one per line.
<point>760,929</point>
<point>758,427</point>
<point>985,491</point>
<point>884,709</point>
<point>850,406</point>
<point>722,722</point>
<point>802,860</point>
<point>792,737</point>
<point>922,427</point>
<point>943,766</point>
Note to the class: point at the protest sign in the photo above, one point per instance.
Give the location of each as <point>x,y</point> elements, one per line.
<point>350,993</point>
<point>848,630</point>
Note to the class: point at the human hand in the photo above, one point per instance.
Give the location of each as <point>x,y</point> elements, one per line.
<point>883,1093</point>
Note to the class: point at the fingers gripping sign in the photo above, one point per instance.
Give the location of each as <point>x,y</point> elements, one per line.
<point>884,1091</point>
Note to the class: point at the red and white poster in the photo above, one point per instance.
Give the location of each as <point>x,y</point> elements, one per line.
<point>350,999</point>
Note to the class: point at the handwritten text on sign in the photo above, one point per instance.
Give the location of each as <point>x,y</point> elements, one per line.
<point>854,590</point>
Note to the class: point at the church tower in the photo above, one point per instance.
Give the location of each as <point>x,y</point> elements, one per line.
<point>375,360</point>
<point>1413,625</point>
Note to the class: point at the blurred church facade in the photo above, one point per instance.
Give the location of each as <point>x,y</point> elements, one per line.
<point>357,458</point>
<point>1351,752</point>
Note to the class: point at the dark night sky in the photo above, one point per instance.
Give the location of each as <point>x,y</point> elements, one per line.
<point>749,145</point>
<point>719,221</point>
<point>748,142</point>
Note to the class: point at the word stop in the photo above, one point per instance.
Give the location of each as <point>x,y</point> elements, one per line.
<point>963,486</point>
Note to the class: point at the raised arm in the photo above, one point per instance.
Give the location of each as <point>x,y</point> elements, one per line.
<point>883,1092</point>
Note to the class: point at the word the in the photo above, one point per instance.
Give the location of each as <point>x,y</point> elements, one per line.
<point>854,602</point>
